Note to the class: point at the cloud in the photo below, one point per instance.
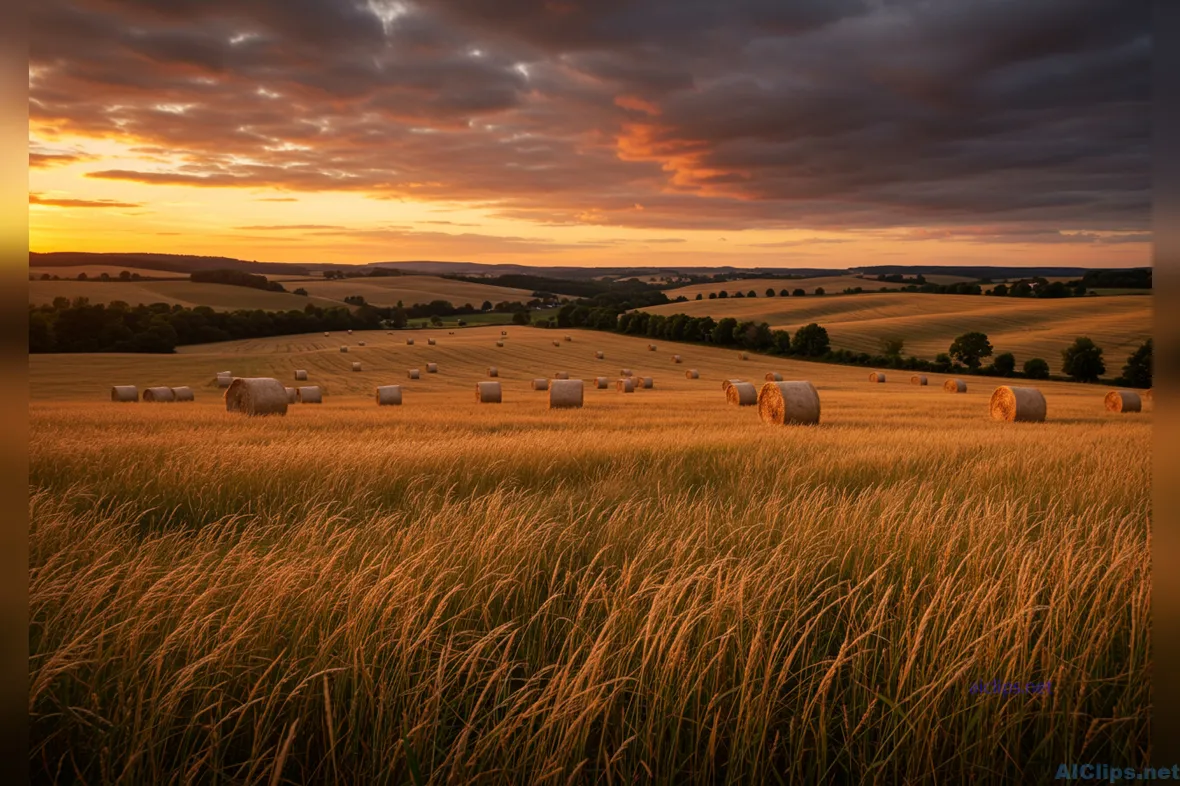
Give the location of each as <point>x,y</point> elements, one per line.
<point>281,227</point>
<point>753,114</point>
<point>37,199</point>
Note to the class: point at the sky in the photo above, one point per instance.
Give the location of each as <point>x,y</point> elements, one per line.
<point>810,133</point>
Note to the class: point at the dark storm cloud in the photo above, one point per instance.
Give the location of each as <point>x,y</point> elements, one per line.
<point>663,114</point>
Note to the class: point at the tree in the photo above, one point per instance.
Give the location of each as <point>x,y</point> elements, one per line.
<point>783,292</point>
<point>798,293</point>
<point>724,332</point>
<point>1137,372</point>
<point>125,275</point>
<point>782,342</point>
<point>435,319</point>
<point>970,348</point>
<point>82,276</point>
<point>1036,368</point>
<point>770,291</point>
<point>892,347</point>
<point>300,291</point>
<point>1000,289</point>
<point>712,296</point>
<point>520,317</point>
<point>487,306</point>
<point>1082,360</point>
<point>751,293</point>
<point>820,291</point>
<point>810,341</point>
<point>723,294</point>
<point>1004,364</point>
<point>698,296</point>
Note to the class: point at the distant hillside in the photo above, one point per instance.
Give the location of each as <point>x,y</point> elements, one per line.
<point>173,263</point>
<point>974,272</point>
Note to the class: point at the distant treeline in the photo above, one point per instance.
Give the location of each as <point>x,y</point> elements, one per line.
<point>545,287</point>
<point>236,278</point>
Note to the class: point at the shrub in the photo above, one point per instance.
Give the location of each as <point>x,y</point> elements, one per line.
<point>1004,364</point>
<point>1082,360</point>
<point>1036,368</point>
<point>810,341</point>
<point>1137,372</point>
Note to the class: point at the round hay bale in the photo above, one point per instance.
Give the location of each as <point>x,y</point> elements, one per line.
<point>743,356</point>
<point>326,334</point>
<point>651,347</point>
<point>1123,401</point>
<point>343,349</point>
<point>414,373</point>
<point>183,393</point>
<point>159,394</point>
<point>918,379</point>
<point>540,384</point>
<point>602,383</point>
<point>256,396</point>
<point>676,359</point>
<point>503,332</point>
<point>789,403</point>
<point>599,356</point>
<point>124,393</point>
<point>389,396</point>
<point>569,338</point>
<point>726,384</point>
<point>625,385</point>
<point>561,375</point>
<point>350,332</point>
<point>625,372</point>
<point>300,375</point>
<point>774,376</point>
<point>409,342</point>
<point>488,393</point>
<point>360,343</point>
<point>292,396</point>
<point>499,343</point>
<point>224,378</point>
<point>431,342</point>
<point>876,376</point>
<point>1017,404</point>
<point>646,383</point>
<point>557,343</point>
<point>309,394</point>
<point>565,394</point>
<point>692,373</point>
<point>431,368</point>
<point>954,386</point>
<point>493,371</point>
<point>743,394</point>
<point>356,366</point>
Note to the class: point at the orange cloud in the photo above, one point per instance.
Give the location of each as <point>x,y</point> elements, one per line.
<point>637,104</point>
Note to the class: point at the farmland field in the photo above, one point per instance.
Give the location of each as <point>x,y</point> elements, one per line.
<point>928,323</point>
<point>655,588</point>
<point>388,290</point>
<point>831,285</point>
<point>94,271</point>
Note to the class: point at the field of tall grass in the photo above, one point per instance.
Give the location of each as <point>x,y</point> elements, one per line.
<point>655,588</point>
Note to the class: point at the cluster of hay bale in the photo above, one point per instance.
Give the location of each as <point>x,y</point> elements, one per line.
<point>876,376</point>
<point>565,394</point>
<point>561,375</point>
<point>1115,401</point>
<point>625,385</point>
<point>488,393</point>
<point>789,403</point>
<point>540,384</point>
<point>493,371</point>
<point>224,378</point>
<point>300,375</point>
<point>309,394</point>
<point>159,394</point>
<point>1016,404</point>
<point>742,394</point>
<point>389,396</point>
<point>602,383</point>
<point>692,373</point>
<point>774,376</point>
<point>954,386</point>
<point>431,368</point>
<point>414,373</point>
<point>356,366</point>
<point>918,379</point>
<point>256,396</point>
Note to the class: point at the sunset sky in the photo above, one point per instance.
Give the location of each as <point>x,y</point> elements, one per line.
<point>809,133</point>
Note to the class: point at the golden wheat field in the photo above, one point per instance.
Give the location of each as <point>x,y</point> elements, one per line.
<point>928,323</point>
<point>655,588</point>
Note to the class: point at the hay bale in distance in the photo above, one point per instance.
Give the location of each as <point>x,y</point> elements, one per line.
<point>300,375</point>
<point>431,342</point>
<point>159,394</point>
<point>876,376</point>
<point>599,355</point>
<point>954,386</point>
<point>726,384</point>
<point>774,376</point>
<point>503,332</point>
<point>183,393</point>
<point>499,343</point>
<point>360,343</point>
<point>565,394</point>
<point>743,394</point>
<point>625,385</point>
<point>309,394</point>
<point>124,393</point>
<point>743,356</point>
<point>651,347</point>
<point>488,393</point>
<point>789,403</point>
<point>414,373</point>
<point>326,334</point>
<point>1014,404</point>
<point>389,396</point>
<point>625,372</point>
<point>356,366</point>
<point>918,379</point>
<point>676,359</point>
<point>431,368</point>
<point>561,375</point>
<point>224,378</point>
<point>692,373</point>
<point>540,384</point>
<point>1123,401</point>
<point>409,342</point>
<point>602,383</point>
<point>343,349</point>
<point>647,383</point>
<point>292,396</point>
<point>350,332</point>
<point>557,343</point>
<point>255,396</point>
<point>569,338</point>
<point>493,371</point>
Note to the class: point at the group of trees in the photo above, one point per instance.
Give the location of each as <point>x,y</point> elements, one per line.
<point>124,275</point>
<point>236,278</point>
<point>363,272</point>
<point>724,293</point>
